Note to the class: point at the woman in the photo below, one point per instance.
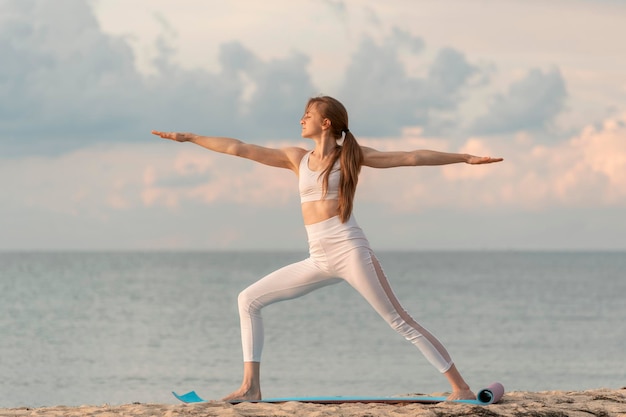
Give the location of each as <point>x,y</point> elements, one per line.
<point>328,177</point>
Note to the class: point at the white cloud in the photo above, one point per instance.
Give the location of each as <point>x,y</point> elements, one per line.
<point>63,77</point>
<point>80,86</point>
<point>532,103</point>
<point>69,84</point>
<point>384,97</point>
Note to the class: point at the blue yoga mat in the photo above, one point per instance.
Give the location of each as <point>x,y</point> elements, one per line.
<point>490,395</point>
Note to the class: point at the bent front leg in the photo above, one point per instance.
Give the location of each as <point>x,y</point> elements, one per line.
<point>289,282</point>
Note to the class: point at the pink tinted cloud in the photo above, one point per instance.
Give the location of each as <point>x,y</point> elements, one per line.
<point>587,170</point>
<point>201,176</point>
<point>600,154</point>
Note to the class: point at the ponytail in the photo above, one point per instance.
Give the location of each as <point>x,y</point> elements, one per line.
<point>351,161</point>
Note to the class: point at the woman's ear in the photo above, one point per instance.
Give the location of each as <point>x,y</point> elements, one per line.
<point>326,124</point>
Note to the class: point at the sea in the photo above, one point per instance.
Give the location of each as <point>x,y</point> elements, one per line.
<point>94,328</point>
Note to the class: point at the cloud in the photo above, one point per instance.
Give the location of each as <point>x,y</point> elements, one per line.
<point>584,171</point>
<point>531,103</point>
<point>384,98</point>
<point>61,77</point>
<point>65,84</point>
<point>282,86</point>
<point>193,176</point>
<point>338,7</point>
<point>595,173</point>
<point>69,85</point>
<point>248,97</point>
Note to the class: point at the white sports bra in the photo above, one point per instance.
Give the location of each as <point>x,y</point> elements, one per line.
<point>311,182</point>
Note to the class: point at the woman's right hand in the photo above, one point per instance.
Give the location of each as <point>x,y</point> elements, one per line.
<point>175,136</point>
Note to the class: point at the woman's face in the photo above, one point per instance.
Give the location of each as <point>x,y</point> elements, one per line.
<point>311,122</point>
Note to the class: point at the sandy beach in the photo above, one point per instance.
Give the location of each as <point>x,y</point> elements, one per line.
<point>598,402</point>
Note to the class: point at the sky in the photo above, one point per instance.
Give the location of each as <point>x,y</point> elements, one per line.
<point>82,84</point>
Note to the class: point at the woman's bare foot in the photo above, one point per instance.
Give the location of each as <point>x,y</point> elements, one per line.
<point>250,389</point>
<point>461,395</point>
<point>243,394</point>
<point>460,389</point>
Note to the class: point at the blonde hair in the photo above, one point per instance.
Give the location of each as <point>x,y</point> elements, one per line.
<point>349,153</point>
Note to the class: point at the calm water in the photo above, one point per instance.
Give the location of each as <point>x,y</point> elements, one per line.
<point>96,328</point>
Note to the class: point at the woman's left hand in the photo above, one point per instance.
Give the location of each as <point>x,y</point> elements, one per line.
<point>175,136</point>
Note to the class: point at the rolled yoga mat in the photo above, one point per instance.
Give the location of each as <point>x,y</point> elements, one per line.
<point>491,394</point>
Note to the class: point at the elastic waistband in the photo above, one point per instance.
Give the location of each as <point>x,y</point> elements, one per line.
<point>330,227</point>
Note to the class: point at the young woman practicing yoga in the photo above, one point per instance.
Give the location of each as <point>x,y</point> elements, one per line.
<point>338,248</point>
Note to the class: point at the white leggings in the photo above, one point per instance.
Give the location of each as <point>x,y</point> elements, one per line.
<point>337,251</point>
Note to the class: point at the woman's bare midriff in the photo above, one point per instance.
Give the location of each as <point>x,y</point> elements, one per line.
<point>318,211</point>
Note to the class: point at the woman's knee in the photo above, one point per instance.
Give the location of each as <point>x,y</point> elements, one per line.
<point>246,301</point>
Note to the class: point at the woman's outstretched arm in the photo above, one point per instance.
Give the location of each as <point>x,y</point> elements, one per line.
<point>377,159</point>
<point>282,158</point>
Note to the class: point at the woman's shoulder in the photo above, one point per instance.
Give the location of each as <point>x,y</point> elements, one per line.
<point>295,152</point>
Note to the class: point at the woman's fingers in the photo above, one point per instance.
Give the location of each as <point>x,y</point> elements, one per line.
<point>167,135</point>
<point>483,160</point>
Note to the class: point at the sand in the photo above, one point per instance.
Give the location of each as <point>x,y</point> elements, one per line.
<point>599,402</point>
